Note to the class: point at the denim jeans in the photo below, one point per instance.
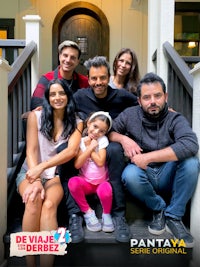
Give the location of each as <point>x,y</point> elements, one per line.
<point>176,179</point>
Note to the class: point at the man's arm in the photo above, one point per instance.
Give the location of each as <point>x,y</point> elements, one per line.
<point>163,155</point>
<point>130,147</point>
<point>37,97</point>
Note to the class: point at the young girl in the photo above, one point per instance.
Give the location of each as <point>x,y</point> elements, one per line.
<point>38,182</point>
<point>93,177</point>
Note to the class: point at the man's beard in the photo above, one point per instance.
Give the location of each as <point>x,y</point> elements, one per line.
<point>154,114</point>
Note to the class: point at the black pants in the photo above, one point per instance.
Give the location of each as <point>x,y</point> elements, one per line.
<point>116,164</point>
<point>66,171</point>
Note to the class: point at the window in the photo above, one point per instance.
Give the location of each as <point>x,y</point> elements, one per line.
<point>7,32</point>
<point>3,35</point>
<point>187,29</point>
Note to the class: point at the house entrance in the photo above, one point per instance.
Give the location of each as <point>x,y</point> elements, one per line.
<point>85,24</point>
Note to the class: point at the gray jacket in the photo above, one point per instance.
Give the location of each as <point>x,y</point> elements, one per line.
<point>170,129</point>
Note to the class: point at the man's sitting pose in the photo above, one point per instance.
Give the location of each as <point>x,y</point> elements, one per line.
<point>166,161</point>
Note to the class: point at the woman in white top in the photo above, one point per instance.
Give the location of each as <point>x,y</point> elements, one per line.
<point>38,182</point>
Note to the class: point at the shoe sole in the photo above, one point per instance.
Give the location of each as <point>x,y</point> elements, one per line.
<point>75,241</point>
<point>123,240</point>
<point>156,232</point>
<point>108,230</point>
<point>93,230</point>
<point>188,245</point>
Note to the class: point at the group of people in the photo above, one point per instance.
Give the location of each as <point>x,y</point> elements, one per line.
<point>114,133</point>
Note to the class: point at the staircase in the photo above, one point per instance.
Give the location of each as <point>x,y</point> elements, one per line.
<point>101,249</point>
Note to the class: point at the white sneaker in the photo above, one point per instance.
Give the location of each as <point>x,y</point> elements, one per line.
<point>107,223</point>
<point>92,223</point>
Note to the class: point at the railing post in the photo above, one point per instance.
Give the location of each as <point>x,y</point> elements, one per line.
<point>33,26</point>
<point>195,210</point>
<point>4,69</point>
<point>160,30</point>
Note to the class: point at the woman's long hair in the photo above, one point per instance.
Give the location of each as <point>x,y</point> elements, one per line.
<point>132,79</point>
<point>69,118</point>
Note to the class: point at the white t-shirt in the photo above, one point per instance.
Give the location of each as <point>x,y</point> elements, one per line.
<point>90,171</point>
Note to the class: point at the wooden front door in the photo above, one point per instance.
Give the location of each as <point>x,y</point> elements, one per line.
<point>85,24</point>
<point>86,31</point>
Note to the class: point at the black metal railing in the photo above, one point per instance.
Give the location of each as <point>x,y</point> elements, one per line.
<point>19,95</point>
<point>11,49</point>
<point>180,82</point>
<point>191,60</point>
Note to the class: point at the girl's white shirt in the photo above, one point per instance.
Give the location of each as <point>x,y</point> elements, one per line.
<point>90,171</point>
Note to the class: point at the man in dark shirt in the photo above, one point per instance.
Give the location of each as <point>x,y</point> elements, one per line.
<point>100,96</point>
<point>165,163</point>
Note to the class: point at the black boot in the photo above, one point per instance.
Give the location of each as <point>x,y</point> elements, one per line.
<point>76,228</point>
<point>157,226</point>
<point>122,232</point>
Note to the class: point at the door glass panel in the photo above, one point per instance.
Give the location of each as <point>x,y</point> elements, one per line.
<point>83,44</point>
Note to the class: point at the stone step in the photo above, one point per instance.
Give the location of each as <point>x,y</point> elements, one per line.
<point>139,230</point>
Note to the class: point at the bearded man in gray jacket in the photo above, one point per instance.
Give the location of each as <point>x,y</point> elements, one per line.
<point>161,148</point>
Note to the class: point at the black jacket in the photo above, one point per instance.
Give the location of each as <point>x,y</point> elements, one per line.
<point>115,102</point>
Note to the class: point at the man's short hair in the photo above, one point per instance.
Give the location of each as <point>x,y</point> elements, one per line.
<point>69,43</point>
<point>96,62</point>
<point>150,78</point>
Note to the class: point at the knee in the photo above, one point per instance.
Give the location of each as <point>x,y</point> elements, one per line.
<point>131,177</point>
<point>48,205</point>
<point>34,208</point>
<point>104,190</point>
<point>191,167</point>
<point>73,184</point>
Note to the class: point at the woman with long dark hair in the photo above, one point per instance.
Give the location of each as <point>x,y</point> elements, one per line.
<point>38,181</point>
<point>126,72</point>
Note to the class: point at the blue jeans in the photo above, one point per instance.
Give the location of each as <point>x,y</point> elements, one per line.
<point>176,179</point>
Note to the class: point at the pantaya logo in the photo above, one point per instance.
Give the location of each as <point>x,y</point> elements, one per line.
<point>157,246</point>
<point>44,242</point>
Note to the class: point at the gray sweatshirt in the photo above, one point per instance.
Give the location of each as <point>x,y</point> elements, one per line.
<point>170,129</point>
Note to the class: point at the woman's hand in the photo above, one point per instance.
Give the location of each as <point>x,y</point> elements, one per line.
<point>33,173</point>
<point>32,191</point>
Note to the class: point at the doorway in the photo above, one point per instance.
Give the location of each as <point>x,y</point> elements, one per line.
<point>85,24</point>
